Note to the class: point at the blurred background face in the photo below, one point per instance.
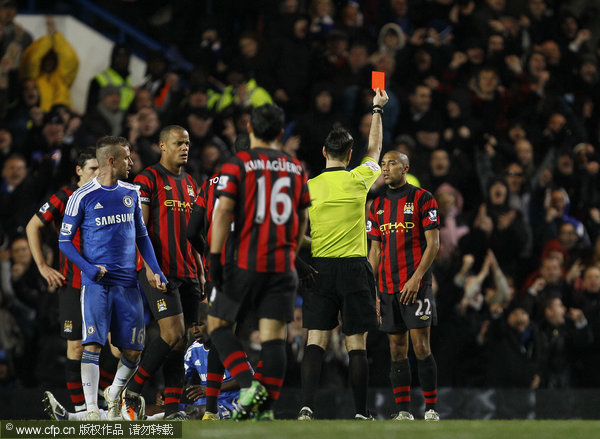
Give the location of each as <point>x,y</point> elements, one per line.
<point>498,193</point>
<point>488,81</point>
<point>591,280</point>
<point>31,94</point>
<point>567,235</point>
<point>19,252</point>
<point>143,99</point>
<point>439,163</point>
<point>112,102</point>
<point>524,152</point>
<point>518,320</point>
<point>199,126</point>
<point>514,177</point>
<point>148,122</point>
<point>550,270</point>
<point>420,100</point>
<point>555,312</point>
<point>323,101</point>
<point>14,171</point>
<point>446,201</point>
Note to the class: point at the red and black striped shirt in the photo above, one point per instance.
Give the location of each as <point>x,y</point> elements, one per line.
<point>171,198</point>
<point>269,188</point>
<point>52,211</point>
<point>398,220</point>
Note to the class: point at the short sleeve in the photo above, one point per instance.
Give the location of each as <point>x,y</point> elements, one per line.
<point>429,212</point>
<point>368,171</point>
<point>146,184</point>
<point>230,178</point>
<point>373,231</point>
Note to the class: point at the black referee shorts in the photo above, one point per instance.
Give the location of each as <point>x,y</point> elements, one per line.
<point>69,312</point>
<point>343,285</point>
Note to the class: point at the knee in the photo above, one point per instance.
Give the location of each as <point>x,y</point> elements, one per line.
<point>422,350</point>
<point>398,352</point>
<point>172,334</point>
<point>74,350</point>
<point>131,355</point>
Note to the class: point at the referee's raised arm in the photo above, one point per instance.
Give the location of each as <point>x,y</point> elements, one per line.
<point>376,133</point>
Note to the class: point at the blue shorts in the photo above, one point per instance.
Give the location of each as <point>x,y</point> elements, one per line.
<point>113,309</point>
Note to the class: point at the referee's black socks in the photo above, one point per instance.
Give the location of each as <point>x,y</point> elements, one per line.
<point>358,370</point>
<point>311,373</point>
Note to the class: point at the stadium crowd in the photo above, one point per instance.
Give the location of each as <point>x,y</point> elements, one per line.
<point>495,102</point>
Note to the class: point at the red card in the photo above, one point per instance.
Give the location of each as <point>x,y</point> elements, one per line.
<point>378,80</point>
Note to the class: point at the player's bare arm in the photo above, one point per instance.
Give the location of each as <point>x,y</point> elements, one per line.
<point>409,292</point>
<point>201,275</point>
<point>34,228</point>
<point>374,256</point>
<point>220,228</point>
<point>376,134</point>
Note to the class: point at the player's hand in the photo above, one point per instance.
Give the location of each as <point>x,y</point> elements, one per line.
<point>381,98</point>
<point>155,281</point>
<point>202,283</point>
<point>216,270</point>
<point>101,273</point>
<point>54,278</point>
<point>408,295</point>
<point>195,392</point>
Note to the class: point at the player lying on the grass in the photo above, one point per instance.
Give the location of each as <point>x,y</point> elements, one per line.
<point>196,360</point>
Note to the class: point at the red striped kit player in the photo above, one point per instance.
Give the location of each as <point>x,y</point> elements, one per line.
<point>403,227</point>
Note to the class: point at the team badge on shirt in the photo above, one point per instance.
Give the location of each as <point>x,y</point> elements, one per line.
<point>161,305</point>
<point>127,201</point>
<point>68,326</point>
<point>190,191</point>
<point>409,208</point>
<point>91,330</point>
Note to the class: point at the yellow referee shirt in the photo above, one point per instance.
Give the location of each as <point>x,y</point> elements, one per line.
<point>337,211</point>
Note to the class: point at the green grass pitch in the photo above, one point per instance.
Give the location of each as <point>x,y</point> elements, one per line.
<point>571,429</point>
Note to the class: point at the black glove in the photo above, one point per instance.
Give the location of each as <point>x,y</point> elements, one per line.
<point>306,274</point>
<point>215,270</point>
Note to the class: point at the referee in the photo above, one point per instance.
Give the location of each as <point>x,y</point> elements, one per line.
<point>344,282</point>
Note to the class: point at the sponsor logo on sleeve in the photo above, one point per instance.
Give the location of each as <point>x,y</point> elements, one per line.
<point>433,216</point>
<point>66,228</point>
<point>372,165</point>
<point>45,208</point>
<point>369,226</point>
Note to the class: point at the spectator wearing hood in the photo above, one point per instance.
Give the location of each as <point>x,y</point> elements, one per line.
<point>452,226</point>
<point>116,75</point>
<point>53,63</point>
<point>498,227</point>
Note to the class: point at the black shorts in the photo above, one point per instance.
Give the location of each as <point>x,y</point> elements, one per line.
<point>69,312</point>
<point>267,295</point>
<point>397,318</point>
<point>183,296</point>
<point>343,285</point>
